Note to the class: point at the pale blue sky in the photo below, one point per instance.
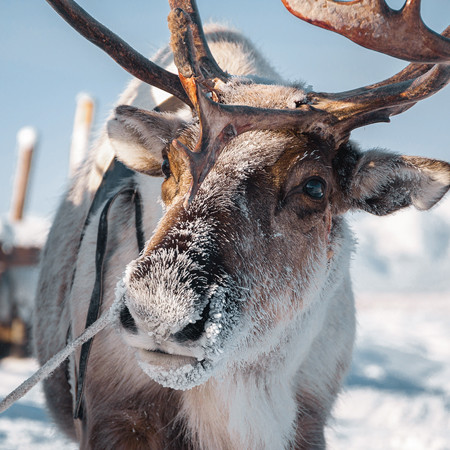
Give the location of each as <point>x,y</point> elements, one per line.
<point>44,64</point>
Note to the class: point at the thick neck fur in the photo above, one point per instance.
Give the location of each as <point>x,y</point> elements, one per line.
<point>245,410</point>
<point>277,407</point>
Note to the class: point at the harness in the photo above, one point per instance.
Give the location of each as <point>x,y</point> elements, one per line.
<point>116,176</point>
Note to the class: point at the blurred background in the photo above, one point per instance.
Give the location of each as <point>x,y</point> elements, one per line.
<point>45,65</point>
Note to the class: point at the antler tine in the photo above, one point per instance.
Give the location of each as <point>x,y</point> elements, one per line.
<point>131,60</point>
<point>377,102</point>
<point>370,105</point>
<point>373,24</point>
<point>412,71</point>
<point>202,57</point>
<point>197,68</point>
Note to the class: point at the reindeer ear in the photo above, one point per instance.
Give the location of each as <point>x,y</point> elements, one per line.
<point>383,183</point>
<point>138,137</point>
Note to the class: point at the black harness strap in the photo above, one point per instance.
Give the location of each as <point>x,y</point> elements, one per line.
<point>116,175</point>
<point>97,292</point>
<point>140,237</point>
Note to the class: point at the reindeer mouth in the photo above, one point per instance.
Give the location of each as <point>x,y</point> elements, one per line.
<point>173,365</point>
<point>165,360</point>
<point>174,371</point>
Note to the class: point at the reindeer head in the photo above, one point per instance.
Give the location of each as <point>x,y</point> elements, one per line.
<point>252,242</point>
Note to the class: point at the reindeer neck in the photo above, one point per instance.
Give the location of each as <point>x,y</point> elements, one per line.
<point>243,411</point>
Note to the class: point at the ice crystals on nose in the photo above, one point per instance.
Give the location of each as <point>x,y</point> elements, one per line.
<point>212,330</point>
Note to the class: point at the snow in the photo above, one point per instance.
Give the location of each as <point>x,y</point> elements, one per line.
<point>397,395</point>
<point>26,424</point>
<point>18,283</point>
<point>27,138</point>
<point>408,251</point>
<point>30,232</point>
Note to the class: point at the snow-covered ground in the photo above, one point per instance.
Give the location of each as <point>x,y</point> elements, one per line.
<point>26,424</point>
<point>397,395</point>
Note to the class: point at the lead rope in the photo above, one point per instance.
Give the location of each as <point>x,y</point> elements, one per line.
<point>93,324</point>
<point>53,363</point>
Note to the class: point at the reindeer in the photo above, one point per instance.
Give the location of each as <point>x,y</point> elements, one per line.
<point>236,317</point>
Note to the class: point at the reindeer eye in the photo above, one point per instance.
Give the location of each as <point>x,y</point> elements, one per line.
<point>165,167</point>
<point>315,188</point>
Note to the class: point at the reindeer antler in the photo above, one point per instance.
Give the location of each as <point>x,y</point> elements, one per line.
<point>334,115</point>
<point>204,64</point>
<point>377,103</point>
<point>373,24</point>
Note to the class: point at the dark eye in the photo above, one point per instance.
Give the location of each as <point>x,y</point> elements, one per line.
<point>315,188</point>
<point>165,167</point>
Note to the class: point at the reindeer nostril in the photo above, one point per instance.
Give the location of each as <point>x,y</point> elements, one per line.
<point>127,321</point>
<point>193,331</point>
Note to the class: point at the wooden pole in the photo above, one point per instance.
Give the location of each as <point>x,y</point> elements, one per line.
<point>84,114</point>
<point>26,139</point>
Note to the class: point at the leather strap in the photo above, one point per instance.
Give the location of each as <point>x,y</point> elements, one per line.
<point>97,292</point>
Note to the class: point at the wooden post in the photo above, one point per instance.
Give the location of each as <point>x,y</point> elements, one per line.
<point>26,139</point>
<point>81,129</point>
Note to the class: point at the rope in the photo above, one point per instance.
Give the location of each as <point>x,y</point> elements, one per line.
<point>46,370</point>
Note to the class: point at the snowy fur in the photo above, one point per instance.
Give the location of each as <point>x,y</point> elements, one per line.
<point>274,273</point>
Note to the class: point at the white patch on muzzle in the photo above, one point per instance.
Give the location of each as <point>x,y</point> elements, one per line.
<point>162,305</point>
<point>157,300</point>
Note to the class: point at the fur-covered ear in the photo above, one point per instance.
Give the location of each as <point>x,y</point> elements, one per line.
<point>383,183</point>
<point>138,137</point>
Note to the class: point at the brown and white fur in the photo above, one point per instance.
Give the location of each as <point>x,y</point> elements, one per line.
<point>269,263</point>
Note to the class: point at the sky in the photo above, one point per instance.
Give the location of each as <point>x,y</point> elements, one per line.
<point>44,64</point>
